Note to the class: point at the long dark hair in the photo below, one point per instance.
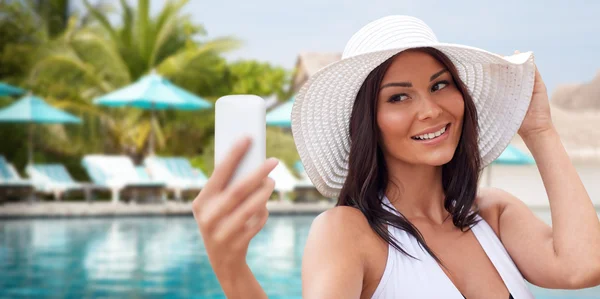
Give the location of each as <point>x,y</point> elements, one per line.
<point>368,174</point>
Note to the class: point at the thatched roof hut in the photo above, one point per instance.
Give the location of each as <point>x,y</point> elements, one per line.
<point>308,64</point>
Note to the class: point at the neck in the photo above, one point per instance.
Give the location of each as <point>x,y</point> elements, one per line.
<point>416,191</point>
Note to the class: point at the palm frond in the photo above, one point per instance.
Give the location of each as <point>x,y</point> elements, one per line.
<point>101,18</point>
<point>126,32</point>
<point>178,62</point>
<point>143,30</point>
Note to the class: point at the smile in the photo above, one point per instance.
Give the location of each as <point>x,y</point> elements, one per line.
<point>433,135</point>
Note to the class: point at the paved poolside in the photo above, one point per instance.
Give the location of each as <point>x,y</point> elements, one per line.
<point>51,209</point>
<point>103,209</point>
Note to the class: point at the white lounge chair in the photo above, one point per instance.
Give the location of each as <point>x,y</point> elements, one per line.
<point>119,175</point>
<point>11,183</point>
<point>54,179</point>
<point>177,173</point>
<point>305,189</point>
<point>286,182</point>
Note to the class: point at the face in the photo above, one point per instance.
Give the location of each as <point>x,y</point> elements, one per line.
<point>419,111</point>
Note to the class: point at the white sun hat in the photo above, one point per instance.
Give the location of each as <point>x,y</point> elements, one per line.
<point>501,88</point>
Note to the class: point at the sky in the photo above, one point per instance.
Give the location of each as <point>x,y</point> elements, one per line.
<point>564,35</point>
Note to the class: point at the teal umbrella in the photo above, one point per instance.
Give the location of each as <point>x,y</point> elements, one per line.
<point>510,156</point>
<point>153,92</point>
<point>281,116</point>
<point>31,109</point>
<point>9,90</point>
<point>513,156</point>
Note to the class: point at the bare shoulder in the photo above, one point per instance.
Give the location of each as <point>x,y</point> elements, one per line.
<point>343,224</point>
<point>341,216</point>
<point>333,265</point>
<point>491,203</point>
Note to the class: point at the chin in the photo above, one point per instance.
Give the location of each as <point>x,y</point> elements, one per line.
<point>438,159</point>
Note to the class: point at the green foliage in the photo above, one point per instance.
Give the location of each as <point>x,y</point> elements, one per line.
<point>252,77</point>
<point>21,31</point>
<point>280,144</point>
<point>101,57</point>
<point>70,60</point>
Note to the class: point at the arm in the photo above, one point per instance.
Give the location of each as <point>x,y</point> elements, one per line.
<point>567,255</point>
<point>332,266</point>
<point>576,229</point>
<point>229,216</point>
<point>240,283</point>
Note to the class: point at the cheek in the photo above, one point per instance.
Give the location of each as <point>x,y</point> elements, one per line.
<point>454,104</point>
<point>393,123</point>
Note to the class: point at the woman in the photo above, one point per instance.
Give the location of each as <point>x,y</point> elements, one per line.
<point>398,130</point>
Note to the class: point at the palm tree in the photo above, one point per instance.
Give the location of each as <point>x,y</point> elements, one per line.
<point>94,57</point>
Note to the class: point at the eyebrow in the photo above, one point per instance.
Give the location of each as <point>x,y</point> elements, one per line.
<point>434,76</point>
<point>408,84</point>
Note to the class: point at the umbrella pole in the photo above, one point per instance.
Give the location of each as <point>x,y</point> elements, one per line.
<point>489,175</point>
<point>30,147</point>
<point>151,137</point>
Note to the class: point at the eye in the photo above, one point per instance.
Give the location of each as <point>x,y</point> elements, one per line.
<point>397,98</point>
<point>439,85</point>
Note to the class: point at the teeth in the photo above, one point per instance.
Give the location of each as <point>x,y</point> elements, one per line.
<point>431,135</point>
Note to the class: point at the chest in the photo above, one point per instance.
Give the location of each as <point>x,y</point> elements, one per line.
<point>464,262</point>
<point>467,268</point>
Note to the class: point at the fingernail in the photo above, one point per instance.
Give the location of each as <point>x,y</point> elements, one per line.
<point>270,160</point>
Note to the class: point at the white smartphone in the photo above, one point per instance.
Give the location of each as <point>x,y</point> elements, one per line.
<point>237,116</point>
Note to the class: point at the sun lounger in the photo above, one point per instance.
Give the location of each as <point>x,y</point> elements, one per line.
<point>177,173</point>
<point>119,175</point>
<point>55,179</point>
<point>11,183</point>
<point>286,182</point>
<point>305,189</point>
<point>304,181</point>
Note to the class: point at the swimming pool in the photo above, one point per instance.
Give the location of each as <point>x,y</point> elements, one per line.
<point>148,257</point>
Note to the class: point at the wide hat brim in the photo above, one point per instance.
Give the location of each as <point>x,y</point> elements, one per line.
<point>501,88</point>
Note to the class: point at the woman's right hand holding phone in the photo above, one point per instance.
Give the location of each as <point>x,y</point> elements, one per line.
<point>229,216</point>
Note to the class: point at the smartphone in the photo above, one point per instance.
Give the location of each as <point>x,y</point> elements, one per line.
<point>237,116</point>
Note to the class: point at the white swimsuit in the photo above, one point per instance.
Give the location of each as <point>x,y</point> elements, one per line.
<point>405,277</point>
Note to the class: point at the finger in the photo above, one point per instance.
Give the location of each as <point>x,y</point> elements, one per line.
<point>223,172</point>
<point>235,223</point>
<point>215,210</point>
<point>517,52</point>
<point>239,192</point>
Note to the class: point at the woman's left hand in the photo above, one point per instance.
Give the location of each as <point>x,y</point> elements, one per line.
<point>538,118</point>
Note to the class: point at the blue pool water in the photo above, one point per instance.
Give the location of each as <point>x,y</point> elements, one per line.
<point>151,257</point>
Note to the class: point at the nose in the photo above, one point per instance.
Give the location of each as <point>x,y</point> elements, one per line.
<point>428,109</point>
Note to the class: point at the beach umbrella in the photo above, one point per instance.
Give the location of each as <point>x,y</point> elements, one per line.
<point>33,110</point>
<point>281,116</point>
<point>510,156</point>
<point>513,156</point>
<point>9,90</point>
<point>153,92</point>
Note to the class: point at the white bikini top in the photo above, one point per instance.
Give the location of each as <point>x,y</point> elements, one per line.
<point>405,277</point>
